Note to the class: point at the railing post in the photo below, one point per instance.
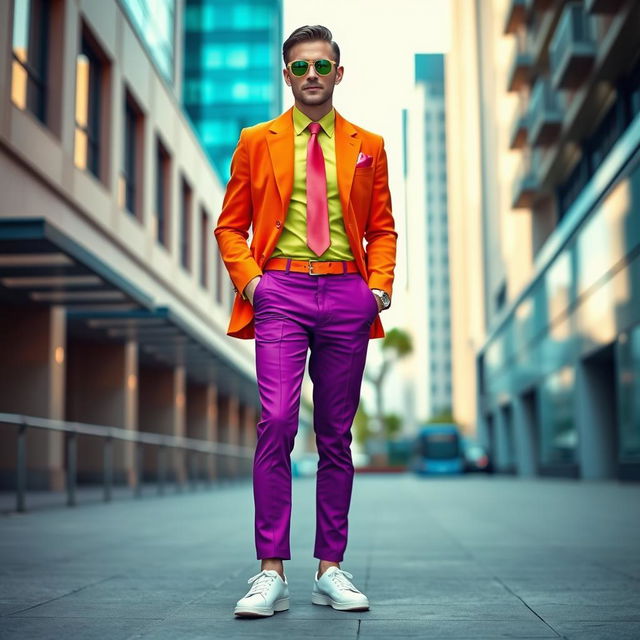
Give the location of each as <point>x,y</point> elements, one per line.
<point>21,470</point>
<point>193,469</point>
<point>209,461</point>
<point>178,459</point>
<point>108,468</point>
<point>139,474</point>
<point>71,468</point>
<point>162,468</point>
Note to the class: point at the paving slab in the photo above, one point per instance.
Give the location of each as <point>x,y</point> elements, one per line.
<point>472,557</point>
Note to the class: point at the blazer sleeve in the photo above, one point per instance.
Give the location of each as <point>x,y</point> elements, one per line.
<point>380,232</point>
<point>234,221</point>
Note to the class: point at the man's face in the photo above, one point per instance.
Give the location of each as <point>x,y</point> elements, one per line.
<point>312,88</point>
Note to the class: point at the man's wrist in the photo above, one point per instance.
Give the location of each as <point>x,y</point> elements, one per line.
<point>257,279</point>
<point>384,297</point>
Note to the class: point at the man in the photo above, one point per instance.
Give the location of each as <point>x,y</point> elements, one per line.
<point>312,185</point>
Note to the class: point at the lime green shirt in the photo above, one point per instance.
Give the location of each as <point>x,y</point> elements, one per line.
<point>293,239</point>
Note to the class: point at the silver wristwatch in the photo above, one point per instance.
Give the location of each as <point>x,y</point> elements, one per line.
<point>386,300</point>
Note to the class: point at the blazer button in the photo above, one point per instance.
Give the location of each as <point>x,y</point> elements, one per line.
<point>278,223</point>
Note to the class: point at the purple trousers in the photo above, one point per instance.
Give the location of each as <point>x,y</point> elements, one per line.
<point>330,315</point>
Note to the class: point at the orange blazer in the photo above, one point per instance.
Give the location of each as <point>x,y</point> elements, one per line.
<point>258,193</point>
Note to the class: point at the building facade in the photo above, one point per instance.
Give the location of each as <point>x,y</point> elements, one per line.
<point>428,300</point>
<point>232,71</point>
<point>558,210</point>
<point>114,301</point>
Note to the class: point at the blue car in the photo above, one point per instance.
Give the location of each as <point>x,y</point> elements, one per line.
<point>438,450</point>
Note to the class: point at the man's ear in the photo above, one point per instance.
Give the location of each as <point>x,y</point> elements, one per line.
<point>286,77</point>
<point>339,74</point>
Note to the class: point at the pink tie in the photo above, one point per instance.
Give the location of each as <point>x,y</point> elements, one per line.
<point>317,208</point>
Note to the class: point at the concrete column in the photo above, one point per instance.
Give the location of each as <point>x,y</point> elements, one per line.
<point>595,421</point>
<point>251,424</point>
<point>130,410</point>
<point>503,452</point>
<point>525,436</point>
<point>197,425</point>
<point>233,417</point>
<point>32,382</point>
<point>223,433</point>
<point>102,389</point>
<point>162,407</point>
<point>249,436</point>
<point>179,456</point>
<point>212,428</point>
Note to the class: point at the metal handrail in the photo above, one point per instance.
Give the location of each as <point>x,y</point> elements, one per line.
<point>163,441</point>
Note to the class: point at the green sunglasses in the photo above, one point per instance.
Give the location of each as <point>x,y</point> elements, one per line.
<point>299,68</point>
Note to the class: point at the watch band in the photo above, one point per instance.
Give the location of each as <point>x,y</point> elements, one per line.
<point>386,301</point>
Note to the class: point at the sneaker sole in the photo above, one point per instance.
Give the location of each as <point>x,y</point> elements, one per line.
<point>262,612</point>
<point>319,598</point>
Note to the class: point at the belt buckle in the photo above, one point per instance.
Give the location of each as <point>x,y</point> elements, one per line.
<point>311,273</point>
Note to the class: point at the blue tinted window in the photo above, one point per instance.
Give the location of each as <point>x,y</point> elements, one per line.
<point>154,22</point>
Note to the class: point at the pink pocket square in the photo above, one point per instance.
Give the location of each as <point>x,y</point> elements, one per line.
<point>364,160</point>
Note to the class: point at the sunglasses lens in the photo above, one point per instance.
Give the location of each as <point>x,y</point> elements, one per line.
<point>323,67</point>
<point>299,67</point>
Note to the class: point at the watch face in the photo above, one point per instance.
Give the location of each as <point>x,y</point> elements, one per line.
<point>385,297</point>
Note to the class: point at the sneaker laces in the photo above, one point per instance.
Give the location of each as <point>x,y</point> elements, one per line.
<point>261,582</point>
<point>339,576</point>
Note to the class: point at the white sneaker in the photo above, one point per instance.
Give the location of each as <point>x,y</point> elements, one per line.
<point>268,594</point>
<point>333,588</point>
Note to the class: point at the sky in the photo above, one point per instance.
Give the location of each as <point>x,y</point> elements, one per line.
<point>378,40</point>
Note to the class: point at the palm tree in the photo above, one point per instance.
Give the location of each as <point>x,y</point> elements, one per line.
<point>396,345</point>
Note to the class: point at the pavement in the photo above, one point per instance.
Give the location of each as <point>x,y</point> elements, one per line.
<point>465,557</point>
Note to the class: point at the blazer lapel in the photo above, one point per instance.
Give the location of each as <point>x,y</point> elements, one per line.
<point>280,142</point>
<point>347,149</point>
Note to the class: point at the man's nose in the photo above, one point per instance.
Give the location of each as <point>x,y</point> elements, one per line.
<point>312,71</point>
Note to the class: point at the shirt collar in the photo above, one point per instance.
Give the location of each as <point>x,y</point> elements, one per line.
<point>327,122</point>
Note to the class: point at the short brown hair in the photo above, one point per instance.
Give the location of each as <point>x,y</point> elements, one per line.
<point>309,34</point>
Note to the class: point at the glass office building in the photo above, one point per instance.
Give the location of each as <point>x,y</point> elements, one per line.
<point>559,371</point>
<point>429,76</point>
<point>232,71</point>
<point>154,22</point>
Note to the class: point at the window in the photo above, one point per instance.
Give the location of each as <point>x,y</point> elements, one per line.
<point>89,82</point>
<point>163,174</point>
<point>597,146</point>
<point>185,225</point>
<point>130,184</point>
<point>232,16</point>
<point>154,20</point>
<point>501,297</point>
<point>204,248</point>
<point>220,276</point>
<point>30,49</point>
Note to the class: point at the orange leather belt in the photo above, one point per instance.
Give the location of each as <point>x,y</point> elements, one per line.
<point>312,267</point>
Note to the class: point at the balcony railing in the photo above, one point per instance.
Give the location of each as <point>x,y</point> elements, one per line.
<point>525,184</point>
<point>602,6</point>
<point>572,49</point>
<point>515,16</point>
<point>519,127</point>
<point>538,5</point>
<point>197,450</point>
<point>545,113</point>
<point>520,68</point>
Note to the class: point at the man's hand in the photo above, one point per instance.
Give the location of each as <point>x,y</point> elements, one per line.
<point>251,287</point>
<point>379,301</point>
